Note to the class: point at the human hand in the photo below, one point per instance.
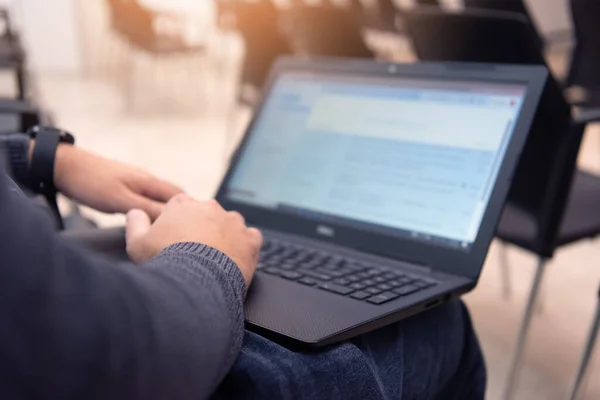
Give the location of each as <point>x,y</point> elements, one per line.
<point>184,219</point>
<point>107,185</point>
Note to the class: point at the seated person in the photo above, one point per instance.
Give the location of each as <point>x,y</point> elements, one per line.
<point>76,326</point>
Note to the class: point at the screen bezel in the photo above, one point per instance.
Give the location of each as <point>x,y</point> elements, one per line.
<point>445,259</point>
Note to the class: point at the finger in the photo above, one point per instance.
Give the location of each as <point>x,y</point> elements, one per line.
<point>150,207</point>
<point>215,204</point>
<point>138,224</point>
<point>176,202</point>
<point>237,217</point>
<point>180,198</point>
<point>256,236</point>
<point>157,189</point>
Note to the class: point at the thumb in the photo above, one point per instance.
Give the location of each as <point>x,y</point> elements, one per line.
<point>150,207</point>
<point>138,224</point>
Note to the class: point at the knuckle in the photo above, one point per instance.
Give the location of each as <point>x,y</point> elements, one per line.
<point>256,237</point>
<point>180,198</point>
<point>236,216</point>
<point>212,206</point>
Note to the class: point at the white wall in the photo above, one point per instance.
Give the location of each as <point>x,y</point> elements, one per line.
<point>51,34</point>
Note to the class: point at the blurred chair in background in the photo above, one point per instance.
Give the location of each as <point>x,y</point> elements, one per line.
<point>551,202</point>
<point>584,69</point>
<point>19,116</point>
<point>582,371</point>
<point>378,14</point>
<point>155,34</point>
<point>12,54</point>
<point>305,30</point>
<point>325,30</point>
<point>427,2</point>
<point>258,25</point>
<point>520,7</point>
<point>516,6</point>
<point>473,34</point>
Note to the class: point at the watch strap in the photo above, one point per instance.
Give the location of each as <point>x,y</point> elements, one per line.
<point>41,172</point>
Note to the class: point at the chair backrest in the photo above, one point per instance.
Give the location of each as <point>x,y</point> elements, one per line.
<point>516,6</point>
<point>428,2</point>
<point>380,15</point>
<point>19,116</point>
<point>9,31</point>
<point>475,35</point>
<point>130,19</point>
<point>542,181</point>
<point>585,63</point>
<point>258,24</point>
<point>326,30</point>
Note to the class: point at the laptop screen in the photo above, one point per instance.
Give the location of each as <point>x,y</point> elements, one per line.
<point>399,156</point>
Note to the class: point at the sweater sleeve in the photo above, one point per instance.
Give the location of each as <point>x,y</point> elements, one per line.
<point>15,149</point>
<point>75,327</point>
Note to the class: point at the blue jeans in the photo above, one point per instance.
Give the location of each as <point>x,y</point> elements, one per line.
<point>434,355</point>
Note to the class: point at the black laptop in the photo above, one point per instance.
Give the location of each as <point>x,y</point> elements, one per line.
<point>377,186</point>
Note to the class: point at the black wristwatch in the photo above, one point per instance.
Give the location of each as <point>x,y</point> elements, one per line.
<point>41,169</point>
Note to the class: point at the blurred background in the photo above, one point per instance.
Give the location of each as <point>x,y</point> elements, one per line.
<point>169,85</point>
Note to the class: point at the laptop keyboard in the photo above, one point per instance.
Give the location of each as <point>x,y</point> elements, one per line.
<point>336,274</point>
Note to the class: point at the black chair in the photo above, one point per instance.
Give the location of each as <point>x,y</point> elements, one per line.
<point>584,69</point>
<point>325,30</point>
<point>473,34</point>
<point>322,30</point>
<point>428,2</point>
<point>516,6</point>
<point>551,202</point>
<point>380,14</point>
<point>137,27</point>
<point>258,25</point>
<point>584,364</point>
<point>12,54</point>
<point>19,116</point>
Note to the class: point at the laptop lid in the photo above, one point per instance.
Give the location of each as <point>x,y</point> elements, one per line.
<point>411,161</point>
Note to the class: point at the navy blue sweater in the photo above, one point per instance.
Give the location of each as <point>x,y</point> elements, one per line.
<point>75,327</point>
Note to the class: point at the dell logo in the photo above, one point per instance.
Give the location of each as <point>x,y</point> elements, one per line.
<point>325,231</point>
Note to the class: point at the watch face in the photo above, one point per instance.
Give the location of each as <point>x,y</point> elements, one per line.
<point>65,137</point>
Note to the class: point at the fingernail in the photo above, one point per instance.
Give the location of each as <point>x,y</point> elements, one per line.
<point>132,213</point>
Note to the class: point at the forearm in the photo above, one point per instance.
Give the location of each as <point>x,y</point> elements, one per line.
<point>76,327</point>
<point>214,299</point>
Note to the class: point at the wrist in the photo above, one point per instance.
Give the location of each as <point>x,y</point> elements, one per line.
<point>45,149</point>
<point>62,164</point>
<point>62,155</point>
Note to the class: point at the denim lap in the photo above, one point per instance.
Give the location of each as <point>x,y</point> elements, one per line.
<point>434,355</point>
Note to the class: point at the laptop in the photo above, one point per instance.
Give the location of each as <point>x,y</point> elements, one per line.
<point>377,186</point>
